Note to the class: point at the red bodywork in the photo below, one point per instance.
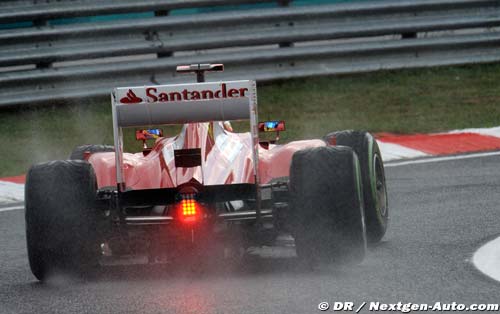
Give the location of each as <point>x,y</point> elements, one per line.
<point>226,159</point>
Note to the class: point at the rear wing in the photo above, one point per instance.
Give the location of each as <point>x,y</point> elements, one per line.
<point>179,104</point>
<point>183,103</point>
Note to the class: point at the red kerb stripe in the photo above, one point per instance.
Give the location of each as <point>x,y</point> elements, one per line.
<point>17,179</point>
<point>443,144</point>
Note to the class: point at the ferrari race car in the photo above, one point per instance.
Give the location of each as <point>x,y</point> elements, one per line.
<point>205,188</point>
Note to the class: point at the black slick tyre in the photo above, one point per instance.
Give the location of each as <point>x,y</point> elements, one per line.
<point>61,219</point>
<point>373,176</point>
<point>326,206</point>
<point>80,151</point>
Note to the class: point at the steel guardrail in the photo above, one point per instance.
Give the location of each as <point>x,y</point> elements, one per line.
<point>68,62</point>
<point>16,11</point>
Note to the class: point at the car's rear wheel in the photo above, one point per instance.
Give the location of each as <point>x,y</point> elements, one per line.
<point>61,219</point>
<point>373,176</point>
<point>326,205</point>
<point>80,151</point>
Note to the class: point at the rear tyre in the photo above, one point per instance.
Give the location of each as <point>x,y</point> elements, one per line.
<point>61,219</point>
<point>373,176</point>
<point>79,152</point>
<point>326,205</point>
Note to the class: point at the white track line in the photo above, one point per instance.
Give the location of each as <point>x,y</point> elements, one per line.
<point>487,259</point>
<point>6,209</point>
<point>439,159</point>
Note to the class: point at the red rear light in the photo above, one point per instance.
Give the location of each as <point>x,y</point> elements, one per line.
<point>189,207</point>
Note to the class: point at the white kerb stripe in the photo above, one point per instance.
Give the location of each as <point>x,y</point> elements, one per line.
<point>11,192</point>
<point>392,151</point>
<point>482,131</point>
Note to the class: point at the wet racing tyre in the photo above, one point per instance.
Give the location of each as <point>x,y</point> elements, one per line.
<point>373,176</point>
<point>61,219</point>
<point>326,206</point>
<point>79,152</point>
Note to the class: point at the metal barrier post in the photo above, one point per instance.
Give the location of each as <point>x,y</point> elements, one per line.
<point>285,3</point>
<point>167,53</point>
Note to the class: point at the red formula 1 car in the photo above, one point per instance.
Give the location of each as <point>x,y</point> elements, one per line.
<point>203,188</point>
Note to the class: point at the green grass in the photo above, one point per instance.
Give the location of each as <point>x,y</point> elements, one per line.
<point>408,101</point>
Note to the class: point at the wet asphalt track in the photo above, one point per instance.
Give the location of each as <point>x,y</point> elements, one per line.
<point>440,213</point>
